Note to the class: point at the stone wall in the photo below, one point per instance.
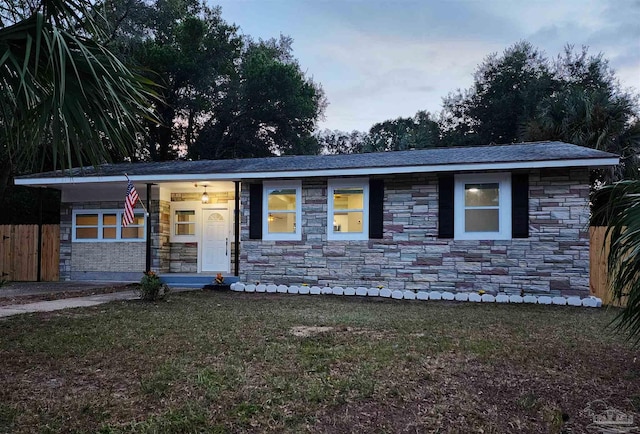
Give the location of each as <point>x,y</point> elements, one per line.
<point>553,260</point>
<point>66,223</point>
<point>184,258</point>
<point>160,233</point>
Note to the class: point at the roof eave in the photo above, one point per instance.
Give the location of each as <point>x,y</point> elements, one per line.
<point>462,167</point>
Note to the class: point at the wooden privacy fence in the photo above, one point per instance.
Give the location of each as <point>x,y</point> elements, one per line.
<point>20,252</point>
<point>599,280</point>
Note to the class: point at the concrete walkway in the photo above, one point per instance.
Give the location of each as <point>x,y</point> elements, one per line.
<point>66,303</point>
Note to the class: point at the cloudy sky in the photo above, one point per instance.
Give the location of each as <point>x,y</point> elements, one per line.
<point>379,60</point>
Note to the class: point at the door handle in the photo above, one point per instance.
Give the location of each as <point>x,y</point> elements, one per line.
<point>226,245</point>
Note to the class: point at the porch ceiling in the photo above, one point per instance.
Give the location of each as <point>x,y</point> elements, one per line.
<point>109,191</point>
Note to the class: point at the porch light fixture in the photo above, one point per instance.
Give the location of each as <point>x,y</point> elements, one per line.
<point>205,196</point>
<point>270,218</point>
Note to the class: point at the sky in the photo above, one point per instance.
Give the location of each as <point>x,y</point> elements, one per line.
<point>379,60</point>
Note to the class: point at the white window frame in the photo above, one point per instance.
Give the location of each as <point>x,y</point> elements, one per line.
<point>277,185</point>
<point>100,226</point>
<point>337,184</point>
<point>504,211</point>
<point>187,205</point>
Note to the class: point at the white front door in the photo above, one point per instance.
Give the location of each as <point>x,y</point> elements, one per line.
<point>215,240</point>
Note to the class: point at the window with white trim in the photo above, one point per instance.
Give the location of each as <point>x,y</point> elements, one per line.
<point>184,221</point>
<point>482,207</point>
<point>281,210</point>
<point>106,226</point>
<point>348,209</point>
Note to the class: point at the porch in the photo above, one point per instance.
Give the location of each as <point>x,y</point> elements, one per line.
<point>187,236</point>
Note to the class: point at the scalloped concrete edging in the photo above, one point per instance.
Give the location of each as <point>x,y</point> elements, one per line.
<point>473,297</point>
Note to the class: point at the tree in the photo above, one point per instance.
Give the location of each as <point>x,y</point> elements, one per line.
<point>271,108</point>
<point>402,134</point>
<point>223,95</point>
<point>598,119</point>
<point>505,94</point>
<point>334,142</point>
<point>622,214</point>
<point>65,99</point>
<point>417,132</point>
<point>190,50</point>
<point>590,109</point>
<point>523,96</point>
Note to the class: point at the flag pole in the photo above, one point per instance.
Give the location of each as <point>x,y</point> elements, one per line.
<point>139,200</point>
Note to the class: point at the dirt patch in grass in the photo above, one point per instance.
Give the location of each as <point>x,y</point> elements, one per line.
<point>228,362</point>
<point>306,331</point>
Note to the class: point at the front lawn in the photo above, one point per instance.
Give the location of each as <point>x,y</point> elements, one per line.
<point>234,362</point>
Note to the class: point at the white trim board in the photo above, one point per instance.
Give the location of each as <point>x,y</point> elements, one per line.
<point>193,177</point>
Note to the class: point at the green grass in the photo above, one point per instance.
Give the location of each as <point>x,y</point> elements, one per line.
<point>226,362</point>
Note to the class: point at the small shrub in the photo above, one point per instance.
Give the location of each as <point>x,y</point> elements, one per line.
<point>151,288</point>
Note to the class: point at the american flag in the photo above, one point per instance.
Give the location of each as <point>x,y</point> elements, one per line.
<point>129,204</point>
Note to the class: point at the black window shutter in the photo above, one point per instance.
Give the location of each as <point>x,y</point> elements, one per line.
<point>520,205</point>
<point>376,208</point>
<point>255,211</point>
<point>445,206</point>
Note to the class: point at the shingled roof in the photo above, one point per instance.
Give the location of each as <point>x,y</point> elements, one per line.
<point>307,165</point>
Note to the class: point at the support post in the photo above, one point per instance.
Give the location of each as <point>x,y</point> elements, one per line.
<point>148,253</point>
<point>236,223</point>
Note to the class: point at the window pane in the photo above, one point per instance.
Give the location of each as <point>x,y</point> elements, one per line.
<point>132,233</point>
<point>109,219</point>
<point>138,219</point>
<point>87,220</point>
<point>347,222</point>
<point>109,233</point>
<point>481,220</point>
<point>282,223</point>
<point>185,216</point>
<point>185,229</point>
<point>348,198</point>
<point>284,199</point>
<point>481,194</point>
<point>87,233</point>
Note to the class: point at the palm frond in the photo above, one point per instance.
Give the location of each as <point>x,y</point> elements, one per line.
<point>66,90</point>
<point>623,216</point>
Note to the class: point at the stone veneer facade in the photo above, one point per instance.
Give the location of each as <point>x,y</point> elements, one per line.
<point>553,260</point>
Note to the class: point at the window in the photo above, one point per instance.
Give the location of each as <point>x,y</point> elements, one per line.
<point>134,230</point>
<point>184,221</point>
<point>106,226</point>
<point>483,207</point>
<point>281,218</point>
<point>348,204</point>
